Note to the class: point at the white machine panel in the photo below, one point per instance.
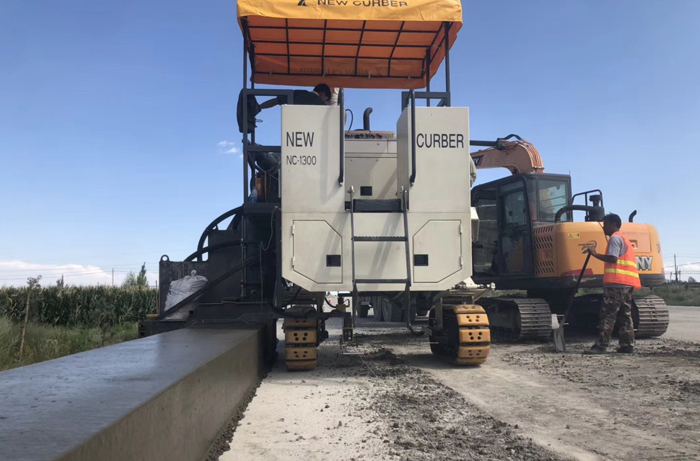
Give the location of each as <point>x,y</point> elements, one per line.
<point>311,159</point>
<point>316,231</point>
<point>442,159</point>
<point>438,244</point>
<point>315,255</point>
<point>318,252</point>
<point>370,168</point>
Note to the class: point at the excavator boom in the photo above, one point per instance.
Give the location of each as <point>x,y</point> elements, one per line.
<point>517,156</point>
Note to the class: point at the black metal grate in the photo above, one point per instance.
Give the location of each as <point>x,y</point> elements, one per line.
<point>420,260</point>
<point>333,260</point>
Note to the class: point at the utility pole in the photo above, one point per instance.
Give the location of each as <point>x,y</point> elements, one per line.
<point>112,276</point>
<point>675,267</point>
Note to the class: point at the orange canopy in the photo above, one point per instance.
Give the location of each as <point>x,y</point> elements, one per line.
<point>348,43</point>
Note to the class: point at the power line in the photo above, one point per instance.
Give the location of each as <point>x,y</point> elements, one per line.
<point>63,267</point>
<point>74,274</point>
<point>66,268</point>
<point>681,265</point>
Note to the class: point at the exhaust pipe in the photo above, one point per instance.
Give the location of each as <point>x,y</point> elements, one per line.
<point>365,119</point>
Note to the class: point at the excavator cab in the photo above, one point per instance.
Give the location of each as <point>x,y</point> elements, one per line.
<point>509,209</point>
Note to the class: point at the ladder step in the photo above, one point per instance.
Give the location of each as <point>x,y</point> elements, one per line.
<point>376,206</point>
<point>387,281</point>
<point>379,239</point>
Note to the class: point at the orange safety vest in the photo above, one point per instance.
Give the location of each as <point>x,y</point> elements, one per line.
<point>624,271</point>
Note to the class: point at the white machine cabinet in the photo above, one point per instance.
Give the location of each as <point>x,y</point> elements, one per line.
<point>316,221</point>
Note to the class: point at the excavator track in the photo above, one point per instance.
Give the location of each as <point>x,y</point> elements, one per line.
<point>301,338</point>
<point>465,338</point>
<point>518,319</point>
<point>650,316</point>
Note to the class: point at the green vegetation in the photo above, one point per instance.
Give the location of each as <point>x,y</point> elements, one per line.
<point>682,294</point>
<point>66,320</point>
<point>45,342</point>
<point>134,280</point>
<point>98,306</point>
<point>675,295</point>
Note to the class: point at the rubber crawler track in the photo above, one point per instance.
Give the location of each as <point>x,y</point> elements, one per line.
<point>465,338</point>
<point>518,319</point>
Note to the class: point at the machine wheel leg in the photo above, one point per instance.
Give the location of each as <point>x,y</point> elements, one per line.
<point>465,338</point>
<point>301,337</point>
<point>363,311</point>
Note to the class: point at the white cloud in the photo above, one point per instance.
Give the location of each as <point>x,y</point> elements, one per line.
<point>15,273</point>
<point>229,147</point>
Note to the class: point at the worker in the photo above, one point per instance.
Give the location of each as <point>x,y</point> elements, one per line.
<point>620,279</point>
<point>320,96</point>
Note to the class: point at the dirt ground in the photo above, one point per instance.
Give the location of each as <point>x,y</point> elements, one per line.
<point>362,403</point>
<point>389,398</point>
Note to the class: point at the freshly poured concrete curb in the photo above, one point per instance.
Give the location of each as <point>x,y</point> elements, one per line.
<point>163,397</point>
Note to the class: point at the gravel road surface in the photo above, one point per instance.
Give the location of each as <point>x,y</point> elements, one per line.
<point>389,399</point>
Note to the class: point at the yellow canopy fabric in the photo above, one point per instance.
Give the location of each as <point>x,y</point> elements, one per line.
<point>348,43</point>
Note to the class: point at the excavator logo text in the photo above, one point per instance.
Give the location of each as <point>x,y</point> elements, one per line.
<point>644,263</point>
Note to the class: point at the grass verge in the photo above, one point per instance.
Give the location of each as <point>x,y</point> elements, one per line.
<point>674,295</point>
<point>46,342</point>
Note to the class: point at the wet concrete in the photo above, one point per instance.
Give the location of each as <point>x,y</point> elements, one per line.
<point>163,397</point>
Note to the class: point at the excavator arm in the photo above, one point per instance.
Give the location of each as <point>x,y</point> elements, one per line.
<point>517,156</point>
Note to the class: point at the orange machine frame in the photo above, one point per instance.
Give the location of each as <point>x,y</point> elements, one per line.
<point>396,44</point>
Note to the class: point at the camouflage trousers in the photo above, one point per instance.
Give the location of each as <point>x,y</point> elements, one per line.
<point>617,306</point>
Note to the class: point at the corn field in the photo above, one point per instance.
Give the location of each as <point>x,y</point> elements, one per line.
<point>97,306</point>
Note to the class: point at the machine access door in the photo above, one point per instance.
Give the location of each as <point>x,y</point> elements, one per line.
<point>317,252</point>
<point>437,251</point>
<point>485,247</point>
<point>514,256</point>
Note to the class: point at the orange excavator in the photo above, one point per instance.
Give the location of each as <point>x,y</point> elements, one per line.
<point>528,240</point>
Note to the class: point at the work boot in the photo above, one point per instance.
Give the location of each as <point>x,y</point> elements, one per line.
<point>626,349</point>
<point>595,350</point>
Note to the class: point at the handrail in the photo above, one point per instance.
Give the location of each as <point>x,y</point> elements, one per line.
<point>413,136</point>
<point>585,196</point>
<point>341,103</point>
<point>596,213</point>
<point>442,96</point>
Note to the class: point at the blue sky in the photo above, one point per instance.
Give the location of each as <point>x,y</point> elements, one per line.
<point>113,114</point>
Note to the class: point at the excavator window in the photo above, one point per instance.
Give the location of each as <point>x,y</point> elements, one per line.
<point>515,230</point>
<point>485,249</point>
<point>553,194</point>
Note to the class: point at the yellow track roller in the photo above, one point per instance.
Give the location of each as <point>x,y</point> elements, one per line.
<point>465,338</point>
<point>301,340</point>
